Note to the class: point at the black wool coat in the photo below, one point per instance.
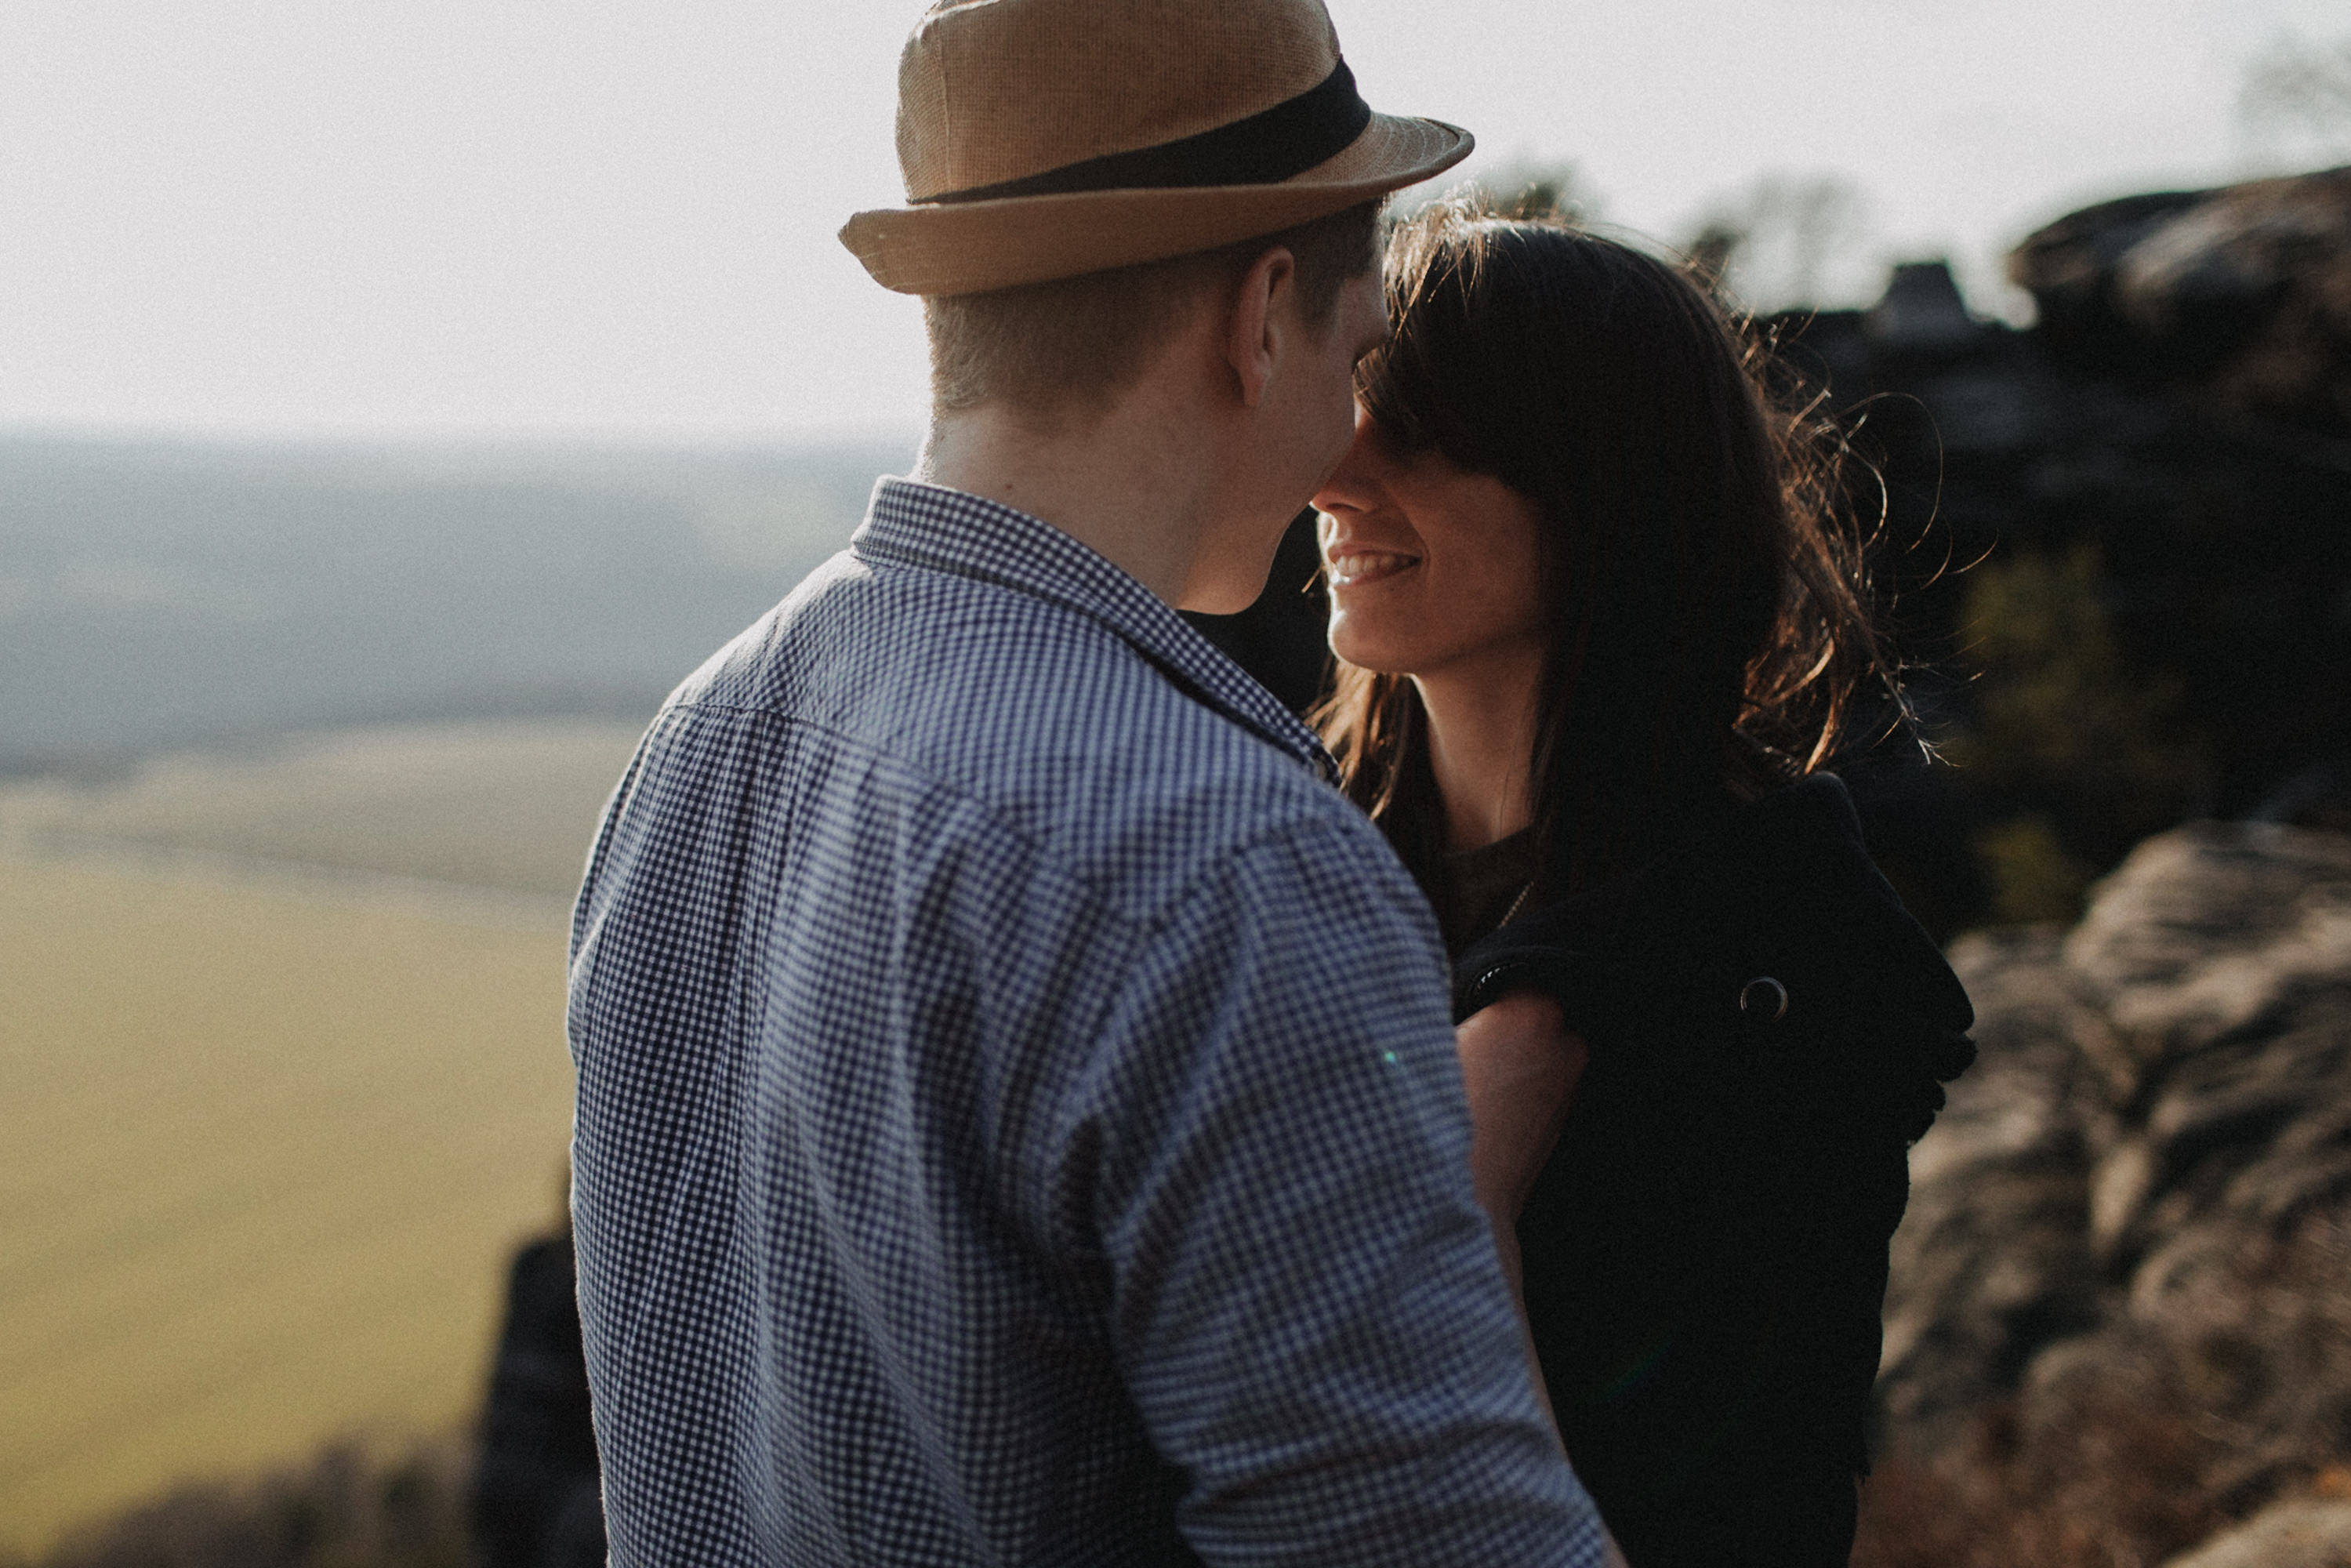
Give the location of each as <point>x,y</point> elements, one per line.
<point>1706,1250</point>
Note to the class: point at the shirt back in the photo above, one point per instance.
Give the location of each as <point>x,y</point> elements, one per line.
<point>1018,1119</point>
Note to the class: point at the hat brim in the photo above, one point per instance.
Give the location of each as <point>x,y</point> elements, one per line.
<point>968,247</point>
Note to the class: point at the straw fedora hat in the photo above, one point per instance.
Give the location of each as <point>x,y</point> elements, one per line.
<point>1043,139</point>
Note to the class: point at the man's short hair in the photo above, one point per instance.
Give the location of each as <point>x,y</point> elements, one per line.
<point>1043,346</point>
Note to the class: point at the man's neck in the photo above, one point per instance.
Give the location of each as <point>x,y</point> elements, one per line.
<point>1122,481</point>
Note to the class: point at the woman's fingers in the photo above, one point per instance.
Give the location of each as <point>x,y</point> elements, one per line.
<point>1521,1064</point>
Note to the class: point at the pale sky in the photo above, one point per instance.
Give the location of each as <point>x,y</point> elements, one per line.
<point>616,217</point>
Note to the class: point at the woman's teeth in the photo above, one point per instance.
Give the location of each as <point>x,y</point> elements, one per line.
<point>1366,565</point>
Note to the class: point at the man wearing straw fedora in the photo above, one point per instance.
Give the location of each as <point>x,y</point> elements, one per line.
<point>1018,1121</point>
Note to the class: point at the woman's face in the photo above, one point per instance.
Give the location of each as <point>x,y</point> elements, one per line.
<point>1432,569</point>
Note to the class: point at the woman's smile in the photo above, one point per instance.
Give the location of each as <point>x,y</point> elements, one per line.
<point>1354,565</point>
<point>1430,564</point>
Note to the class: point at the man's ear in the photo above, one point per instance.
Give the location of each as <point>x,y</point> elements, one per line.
<point>1261,317</point>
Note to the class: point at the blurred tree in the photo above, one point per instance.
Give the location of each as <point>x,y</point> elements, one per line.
<point>2073,754</point>
<point>1775,246</point>
<point>1712,250</point>
<point>2298,94</point>
<point>2033,877</point>
<point>1532,188</point>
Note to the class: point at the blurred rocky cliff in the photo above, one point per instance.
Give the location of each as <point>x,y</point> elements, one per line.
<point>2244,292</point>
<point>2163,463</point>
<point>2119,1326</point>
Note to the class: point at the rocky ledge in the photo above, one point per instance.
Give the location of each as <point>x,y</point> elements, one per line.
<point>2118,1313</point>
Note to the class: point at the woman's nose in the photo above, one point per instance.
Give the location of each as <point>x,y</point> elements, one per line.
<point>1352,484</point>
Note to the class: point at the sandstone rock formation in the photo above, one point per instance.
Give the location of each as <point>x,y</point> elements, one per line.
<point>2246,289</point>
<point>2300,1532</point>
<point>2127,1257</point>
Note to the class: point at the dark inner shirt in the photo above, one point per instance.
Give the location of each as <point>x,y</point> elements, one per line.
<point>1473,891</point>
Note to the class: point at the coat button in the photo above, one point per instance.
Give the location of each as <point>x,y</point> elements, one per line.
<point>1764,996</point>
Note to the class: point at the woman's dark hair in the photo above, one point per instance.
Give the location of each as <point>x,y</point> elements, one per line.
<point>1710,625</point>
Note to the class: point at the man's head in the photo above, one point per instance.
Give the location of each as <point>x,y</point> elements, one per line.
<point>1048,347</point>
<point>1152,219</point>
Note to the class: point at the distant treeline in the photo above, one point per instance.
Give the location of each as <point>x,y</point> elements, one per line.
<point>156,594</point>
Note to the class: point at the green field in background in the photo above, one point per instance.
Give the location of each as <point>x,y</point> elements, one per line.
<point>264,1146</point>
<point>507,805</point>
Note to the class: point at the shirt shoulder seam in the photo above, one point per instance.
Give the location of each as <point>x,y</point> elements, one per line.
<point>1164,910</point>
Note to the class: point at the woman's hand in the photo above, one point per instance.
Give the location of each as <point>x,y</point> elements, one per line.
<point>1521,1064</point>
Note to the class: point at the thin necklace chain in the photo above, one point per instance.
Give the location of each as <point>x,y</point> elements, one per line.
<point>1511,913</point>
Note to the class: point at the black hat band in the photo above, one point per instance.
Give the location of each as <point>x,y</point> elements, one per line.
<point>1263,149</point>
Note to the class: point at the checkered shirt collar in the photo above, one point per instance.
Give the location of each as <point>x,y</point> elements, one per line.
<point>969,535</point>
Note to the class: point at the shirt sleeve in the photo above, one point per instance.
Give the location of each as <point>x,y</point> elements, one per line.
<point>1308,1309</point>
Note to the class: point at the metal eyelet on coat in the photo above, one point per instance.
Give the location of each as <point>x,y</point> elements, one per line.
<point>1766,995</point>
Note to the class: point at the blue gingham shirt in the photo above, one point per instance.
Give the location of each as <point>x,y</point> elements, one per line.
<point>1017,1120</point>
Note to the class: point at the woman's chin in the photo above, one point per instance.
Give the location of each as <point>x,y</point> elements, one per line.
<point>1367,653</point>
